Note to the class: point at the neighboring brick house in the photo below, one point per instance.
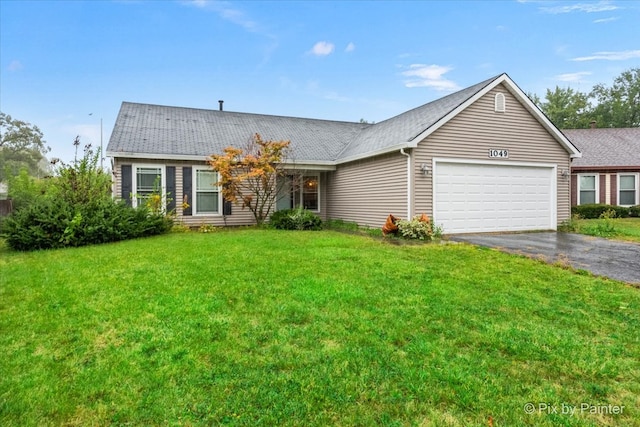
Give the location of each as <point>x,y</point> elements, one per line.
<point>478,160</point>
<point>609,169</point>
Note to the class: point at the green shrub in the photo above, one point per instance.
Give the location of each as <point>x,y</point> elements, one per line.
<point>25,189</point>
<point>295,219</point>
<point>634,211</point>
<point>592,211</point>
<point>420,230</point>
<point>570,225</point>
<point>604,227</point>
<point>54,223</point>
<point>76,209</point>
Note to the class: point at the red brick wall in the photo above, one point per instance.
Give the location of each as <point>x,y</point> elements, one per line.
<point>614,189</point>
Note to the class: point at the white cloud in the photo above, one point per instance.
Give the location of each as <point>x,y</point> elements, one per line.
<point>572,77</point>
<point>600,21</point>
<point>601,6</point>
<point>421,75</point>
<point>226,11</point>
<point>350,47</point>
<point>322,48</point>
<point>610,56</point>
<point>15,65</point>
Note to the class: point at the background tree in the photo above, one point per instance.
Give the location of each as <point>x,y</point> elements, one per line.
<point>566,108</point>
<point>21,146</point>
<point>250,175</point>
<point>619,105</point>
<point>616,106</point>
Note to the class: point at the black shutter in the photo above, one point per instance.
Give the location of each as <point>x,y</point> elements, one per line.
<point>171,188</point>
<point>226,207</point>
<point>127,183</point>
<point>186,189</point>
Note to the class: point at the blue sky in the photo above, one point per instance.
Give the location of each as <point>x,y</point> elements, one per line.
<point>64,65</point>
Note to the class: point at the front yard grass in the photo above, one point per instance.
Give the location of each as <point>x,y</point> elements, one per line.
<point>616,228</point>
<point>265,327</point>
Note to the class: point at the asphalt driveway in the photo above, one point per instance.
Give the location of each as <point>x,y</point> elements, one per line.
<point>602,257</point>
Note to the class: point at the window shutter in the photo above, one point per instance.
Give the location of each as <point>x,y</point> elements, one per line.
<point>187,192</point>
<point>226,207</point>
<point>126,183</point>
<point>171,187</point>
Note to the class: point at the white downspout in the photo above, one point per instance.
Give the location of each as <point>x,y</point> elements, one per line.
<point>408,183</point>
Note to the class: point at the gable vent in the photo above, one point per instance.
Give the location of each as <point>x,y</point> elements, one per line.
<point>500,103</point>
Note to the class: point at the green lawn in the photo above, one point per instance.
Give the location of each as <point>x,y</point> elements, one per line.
<point>617,228</point>
<point>260,327</point>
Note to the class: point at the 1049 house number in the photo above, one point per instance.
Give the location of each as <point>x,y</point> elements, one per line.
<point>494,152</point>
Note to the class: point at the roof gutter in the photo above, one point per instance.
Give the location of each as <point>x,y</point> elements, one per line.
<point>408,182</point>
<point>604,168</point>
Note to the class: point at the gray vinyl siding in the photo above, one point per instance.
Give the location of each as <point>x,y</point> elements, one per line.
<point>238,216</point>
<point>478,128</point>
<point>367,191</point>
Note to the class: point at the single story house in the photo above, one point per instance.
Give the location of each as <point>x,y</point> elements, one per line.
<point>482,159</point>
<point>609,169</point>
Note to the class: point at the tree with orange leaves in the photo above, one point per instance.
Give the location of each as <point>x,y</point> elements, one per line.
<point>249,175</point>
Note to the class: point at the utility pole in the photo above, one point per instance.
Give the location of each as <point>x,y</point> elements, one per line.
<point>101,152</point>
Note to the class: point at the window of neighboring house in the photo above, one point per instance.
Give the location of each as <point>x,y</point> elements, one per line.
<point>628,190</point>
<point>147,180</point>
<point>300,191</point>
<point>587,189</point>
<point>207,192</point>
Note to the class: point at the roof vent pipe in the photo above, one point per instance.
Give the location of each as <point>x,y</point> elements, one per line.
<point>221,102</point>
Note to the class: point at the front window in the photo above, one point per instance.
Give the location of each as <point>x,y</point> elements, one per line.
<point>628,194</point>
<point>148,182</point>
<point>308,194</point>
<point>299,191</point>
<point>587,185</point>
<point>207,192</point>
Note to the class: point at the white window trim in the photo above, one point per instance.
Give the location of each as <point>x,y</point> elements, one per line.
<point>597,184</point>
<point>500,103</point>
<point>635,175</point>
<point>194,195</point>
<point>134,181</point>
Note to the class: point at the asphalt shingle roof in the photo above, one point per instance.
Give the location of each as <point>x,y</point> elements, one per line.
<point>157,129</point>
<point>606,147</point>
<point>177,131</point>
<point>405,127</point>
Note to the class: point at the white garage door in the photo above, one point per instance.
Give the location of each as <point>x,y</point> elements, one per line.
<point>471,198</point>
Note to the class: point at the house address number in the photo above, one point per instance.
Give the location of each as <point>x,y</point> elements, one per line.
<point>502,154</point>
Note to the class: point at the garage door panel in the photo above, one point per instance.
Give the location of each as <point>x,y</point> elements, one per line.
<point>481,197</point>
